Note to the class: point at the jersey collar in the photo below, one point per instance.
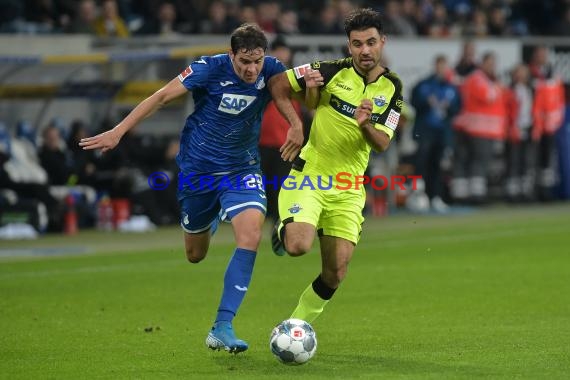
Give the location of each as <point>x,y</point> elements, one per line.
<point>386,71</point>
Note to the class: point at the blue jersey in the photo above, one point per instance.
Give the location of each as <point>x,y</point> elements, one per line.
<point>222,134</point>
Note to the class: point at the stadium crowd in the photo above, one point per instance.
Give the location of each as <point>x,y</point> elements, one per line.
<point>41,177</point>
<point>498,135</point>
<point>444,18</point>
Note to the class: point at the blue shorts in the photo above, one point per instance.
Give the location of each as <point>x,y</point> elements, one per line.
<point>204,197</point>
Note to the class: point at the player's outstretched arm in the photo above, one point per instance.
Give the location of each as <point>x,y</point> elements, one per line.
<point>378,140</point>
<point>280,89</point>
<point>109,139</point>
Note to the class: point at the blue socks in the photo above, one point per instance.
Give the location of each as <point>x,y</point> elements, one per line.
<point>236,281</point>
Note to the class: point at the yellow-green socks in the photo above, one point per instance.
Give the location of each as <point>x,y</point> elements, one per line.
<point>313,301</point>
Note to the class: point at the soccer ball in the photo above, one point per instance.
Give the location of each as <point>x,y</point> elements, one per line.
<point>293,341</point>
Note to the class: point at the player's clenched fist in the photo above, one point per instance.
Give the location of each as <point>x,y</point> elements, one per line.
<point>313,78</point>
<point>363,112</point>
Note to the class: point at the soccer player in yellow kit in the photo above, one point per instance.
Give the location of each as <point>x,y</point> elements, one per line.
<point>358,104</point>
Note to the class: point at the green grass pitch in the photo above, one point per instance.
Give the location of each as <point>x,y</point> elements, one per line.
<point>484,295</point>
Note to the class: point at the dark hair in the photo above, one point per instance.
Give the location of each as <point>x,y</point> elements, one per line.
<point>248,37</point>
<point>361,19</point>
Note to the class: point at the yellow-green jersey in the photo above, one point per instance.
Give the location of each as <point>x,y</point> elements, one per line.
<point>336,143</point>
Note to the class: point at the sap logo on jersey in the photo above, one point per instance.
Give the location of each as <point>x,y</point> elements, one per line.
<point>234,104</point>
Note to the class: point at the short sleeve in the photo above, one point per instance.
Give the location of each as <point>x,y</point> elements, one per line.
<point>388,120</point>
<point>273,66</point>
<point>296,77</point>
<point>328,70</point>
<point>196,74</point>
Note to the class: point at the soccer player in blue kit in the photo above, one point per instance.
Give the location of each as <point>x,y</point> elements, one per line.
<point>219,160</point>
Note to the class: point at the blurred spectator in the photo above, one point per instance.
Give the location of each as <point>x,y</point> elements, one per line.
<point>409,11</point>
<point>466,64</point>
<point>146,155</point>
<point>288,22</point>
<point>548,115</point>
<point>394,23</point>
<point>84,20</point>
<point>111,174</point>
<point>329,22</point>
<point>480,123</point>
<point>436,102</point>
<point>439,25</point>
<point>27,134</point>
<point>110,23</point>
<point>164,23</point>
<point>344,7</point>
<point>520,147</point>
<point>53,156</point>
<point>458,6</point>
<point>477,26</point>
<point>23,186</point>
<point>56,159</point>
<point>218,22</point>
<point>274,130</point>
<point>268,13</point>
<point>247,14</point>
<point>498,26</point>
<point>24,164</point>
<point>539,66</point>
<point>83,161</point>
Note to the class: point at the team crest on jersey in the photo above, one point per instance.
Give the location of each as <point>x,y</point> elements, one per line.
<point>300,71</point>
<point>380,100</point>
<point>234,104</point>
<point>186,73</point>
<point>295,208</point>
<point>260,84</point>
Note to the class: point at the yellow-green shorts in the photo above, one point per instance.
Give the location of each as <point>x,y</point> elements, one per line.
<point>333,212</point>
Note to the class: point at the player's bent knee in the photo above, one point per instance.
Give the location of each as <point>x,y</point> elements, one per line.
<point>249,239</point>
<point>194,256</point>
<point>194,260</point>
<point>297,247</point>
